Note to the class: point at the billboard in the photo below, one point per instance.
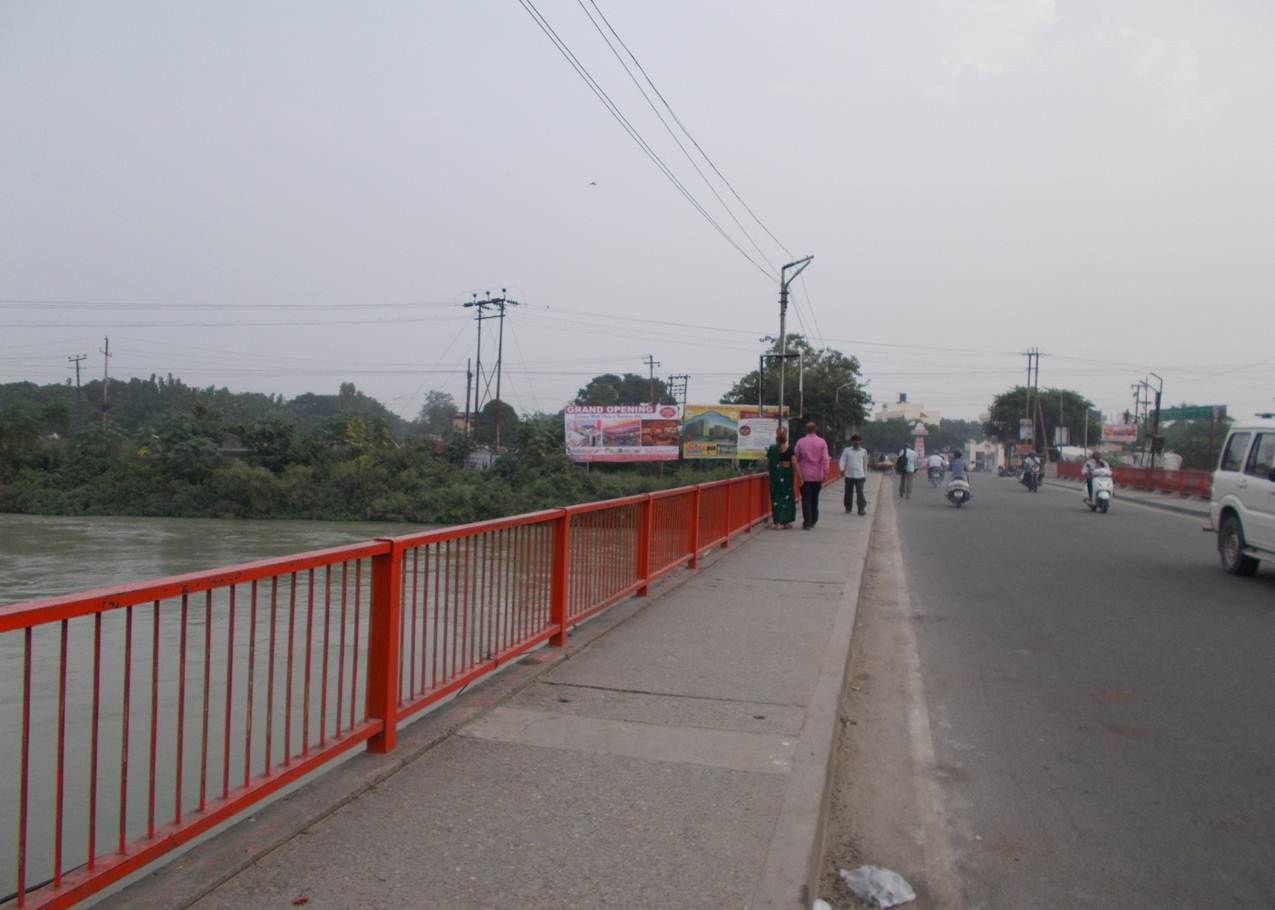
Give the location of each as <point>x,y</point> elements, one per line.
<point>726,431</point>
<point>622,432</point>
<point>1120,432</point>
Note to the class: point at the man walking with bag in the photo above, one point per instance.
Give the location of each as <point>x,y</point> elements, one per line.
<point>854,467</point>
<point>812,461</point>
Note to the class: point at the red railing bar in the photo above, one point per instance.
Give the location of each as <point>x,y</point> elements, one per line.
<point>472,529</point>
<point>309,651</point>
<point>80,884</point>
<point>270,652</point>
<point>230,689</point>
<point>288,667</point>
<point>203,741</point>
<point>181,715</point>
<point>340,658</point>
<point>25,767</point>
<point>97,693</point>
<point>327,625</point>
<point>252,679</point>
<point>128,672</point>
<point>150,789</point>
<point>411,656</point>
<point>61,767</point>
<point>86,603</point>
<point>354,656</point>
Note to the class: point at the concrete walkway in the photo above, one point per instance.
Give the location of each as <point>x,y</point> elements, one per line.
<point>675,755</point>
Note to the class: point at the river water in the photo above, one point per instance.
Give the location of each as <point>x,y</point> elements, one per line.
<point>45,556</point>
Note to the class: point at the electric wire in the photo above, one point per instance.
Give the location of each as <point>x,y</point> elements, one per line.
<point>633,132</point>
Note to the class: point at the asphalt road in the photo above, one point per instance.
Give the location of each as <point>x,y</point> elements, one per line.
<point>1100,698</point>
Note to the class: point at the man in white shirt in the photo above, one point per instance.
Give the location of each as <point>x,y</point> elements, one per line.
<point>936,461</point>
<point>854,467</point>
<point>906,466</point>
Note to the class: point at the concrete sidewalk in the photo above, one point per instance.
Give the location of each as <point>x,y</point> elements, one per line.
<point>677,752</point>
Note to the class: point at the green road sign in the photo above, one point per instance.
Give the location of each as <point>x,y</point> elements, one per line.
<point>1193,412</point>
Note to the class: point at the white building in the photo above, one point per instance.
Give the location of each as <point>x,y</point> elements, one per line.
<point>908,410</point>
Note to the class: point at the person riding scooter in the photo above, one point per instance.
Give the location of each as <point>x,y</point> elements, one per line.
<point>935,468</point>
<point>1031,472</point>
<point>1094,463</point>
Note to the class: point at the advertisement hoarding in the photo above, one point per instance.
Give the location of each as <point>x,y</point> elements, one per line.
<point>639,432</point>
<point>1125,433</point>
<point>726,431</point>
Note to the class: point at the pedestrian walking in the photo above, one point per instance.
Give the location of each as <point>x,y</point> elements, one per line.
<point>783,467</point>
<point>812,464</point>
<point>854,467</point>
<point>906,466</point>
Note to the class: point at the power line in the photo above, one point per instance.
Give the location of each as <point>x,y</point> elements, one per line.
<point>633,132</point>
<point>655,110</point>
<point>683,128</point>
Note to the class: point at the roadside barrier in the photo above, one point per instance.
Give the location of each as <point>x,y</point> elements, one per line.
<point>151,712</point>
<point>1184,483</point>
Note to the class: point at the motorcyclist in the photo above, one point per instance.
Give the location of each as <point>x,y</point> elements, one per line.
<point>1031,468</point>
<point>936,466</point>
<point>1094,463</point>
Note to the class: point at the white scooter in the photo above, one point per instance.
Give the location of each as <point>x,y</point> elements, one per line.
<point>1104,487</point>
<point>958,492</point>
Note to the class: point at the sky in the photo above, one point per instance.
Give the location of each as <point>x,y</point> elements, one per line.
<point>284,196</point>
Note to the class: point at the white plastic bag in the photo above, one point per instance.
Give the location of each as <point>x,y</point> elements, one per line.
<point>878,886</point>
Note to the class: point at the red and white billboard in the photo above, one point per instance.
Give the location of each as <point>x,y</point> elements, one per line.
<point>1125,433</point>
<point>622,432</point>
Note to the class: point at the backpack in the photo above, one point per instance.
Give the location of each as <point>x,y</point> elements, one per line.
<point>900,464</point>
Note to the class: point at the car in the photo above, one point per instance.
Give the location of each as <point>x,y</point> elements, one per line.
<point>1242,502</point>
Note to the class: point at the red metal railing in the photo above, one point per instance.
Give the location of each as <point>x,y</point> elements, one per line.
<point>1184,483</point>
<point>152,712</point>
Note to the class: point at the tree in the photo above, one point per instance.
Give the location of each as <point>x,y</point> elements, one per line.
<point>627,389</point>
<point>1197,441</point>
<point>835,398</point>
<point>435,417</point>
<point>1057,407</point>
<point>485,424</point>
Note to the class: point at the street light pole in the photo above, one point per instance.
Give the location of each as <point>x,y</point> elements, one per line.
<point>784,280</point>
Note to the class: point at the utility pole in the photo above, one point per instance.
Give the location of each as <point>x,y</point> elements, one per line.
<point>1155,421</point>
<point>106,366</point>
<point>677,385</point>
<point>469,381</point>
<point>651,364</point>
<point>784,280</point>
<point>483,380</point>
<point>1033,383</point>
<point>76,360</point>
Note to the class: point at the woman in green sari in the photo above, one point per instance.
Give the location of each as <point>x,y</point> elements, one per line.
<point>783,469</point>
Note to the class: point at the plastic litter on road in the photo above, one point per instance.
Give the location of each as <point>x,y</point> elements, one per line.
<point>878,886</point>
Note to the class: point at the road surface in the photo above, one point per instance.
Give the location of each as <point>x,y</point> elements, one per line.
<point>1055,708</point>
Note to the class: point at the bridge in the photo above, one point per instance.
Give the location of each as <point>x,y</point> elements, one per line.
<point>695,737</point>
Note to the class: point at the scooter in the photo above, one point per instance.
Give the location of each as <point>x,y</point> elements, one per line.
<point>1104,488</point>
<point>958,492</point>
<point>935,475</point>
<point>1031,479</point>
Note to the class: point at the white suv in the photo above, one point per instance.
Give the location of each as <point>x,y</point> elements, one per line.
<point>1243,500</point>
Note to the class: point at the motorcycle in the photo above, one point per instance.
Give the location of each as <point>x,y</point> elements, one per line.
<point>958,492</point>
<point>1031,478</point>
<point>1104,488</point>
<point>935,475</point>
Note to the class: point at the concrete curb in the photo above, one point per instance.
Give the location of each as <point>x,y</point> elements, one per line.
<point>1139,500</point>
<point>188,876</point>
<point>790,875</point>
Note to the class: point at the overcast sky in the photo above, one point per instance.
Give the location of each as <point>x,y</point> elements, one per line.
<point>283,196</point>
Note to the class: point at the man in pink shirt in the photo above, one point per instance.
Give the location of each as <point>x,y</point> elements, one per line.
<point>812,460</point>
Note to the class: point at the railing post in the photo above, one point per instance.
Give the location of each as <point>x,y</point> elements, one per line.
<point>726,539</point>
<point>693,529</point>
<point>558,578</point>
<point>750,499</point>
<point>383,646</point>
<point>645,514</point>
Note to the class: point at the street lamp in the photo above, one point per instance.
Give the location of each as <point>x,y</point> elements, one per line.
<point>784,280</point>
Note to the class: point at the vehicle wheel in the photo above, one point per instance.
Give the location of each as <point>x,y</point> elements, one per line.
<point>1093,507</point>
<point>960,502</point>
<point>1104,505</point>
<point>1230,546</point>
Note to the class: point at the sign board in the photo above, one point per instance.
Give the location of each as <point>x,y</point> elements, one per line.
<point>1194,412</point>
<point>1123,433</point>
<point>727,431</point>
<point>1025,428</point>
<point>1062,436</point>
<point>639,432</point>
